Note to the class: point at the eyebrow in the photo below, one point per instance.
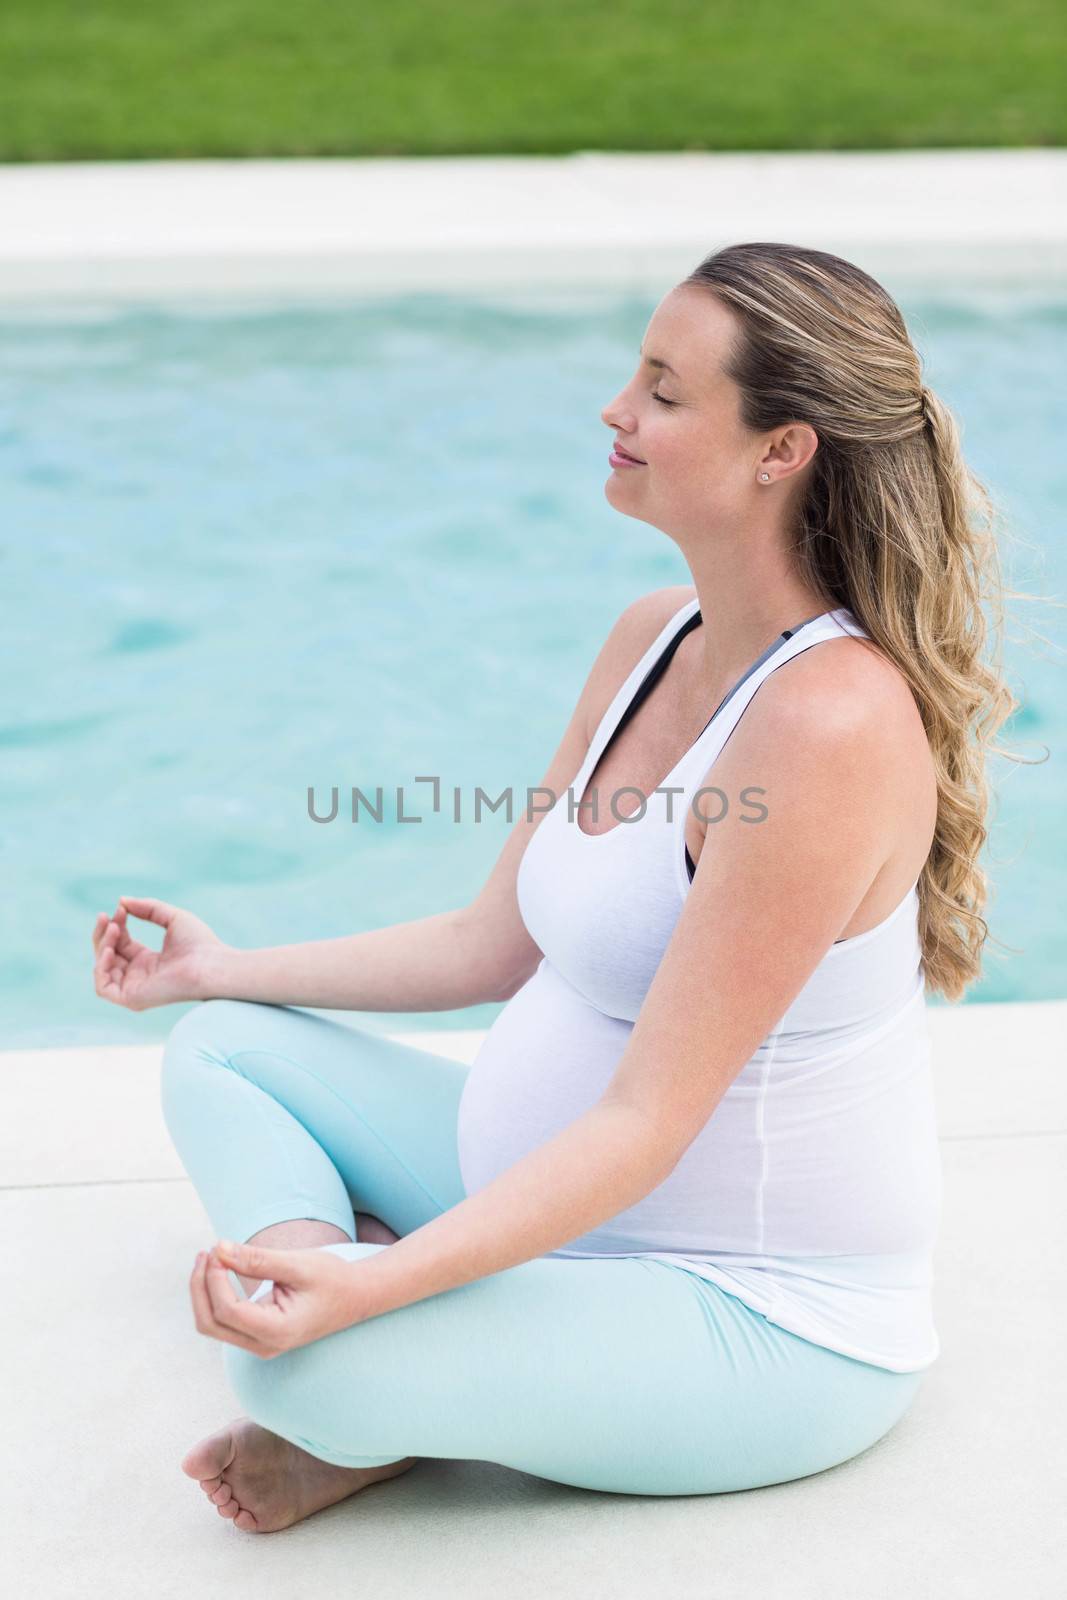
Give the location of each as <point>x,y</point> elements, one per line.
<point>652,361</point>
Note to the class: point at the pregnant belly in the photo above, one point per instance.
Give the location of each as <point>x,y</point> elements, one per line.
<point>546,1060</point>
<point>799,1157</point>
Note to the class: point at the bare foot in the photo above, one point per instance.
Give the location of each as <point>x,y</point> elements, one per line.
<point>262,1483</point>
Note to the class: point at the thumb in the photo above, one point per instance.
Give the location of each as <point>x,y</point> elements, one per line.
<point>284,1266</point>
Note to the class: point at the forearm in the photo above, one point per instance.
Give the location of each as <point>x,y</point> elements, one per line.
<point>437,963</point>
<point>599,1165</point>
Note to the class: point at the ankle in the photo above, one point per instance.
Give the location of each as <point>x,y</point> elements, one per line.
<point>372,1230</point>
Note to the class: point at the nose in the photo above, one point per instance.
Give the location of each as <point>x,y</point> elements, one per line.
<point>614,416</point>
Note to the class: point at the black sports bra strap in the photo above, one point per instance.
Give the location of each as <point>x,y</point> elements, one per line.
<point>659,667</point>
<point>653,675</point>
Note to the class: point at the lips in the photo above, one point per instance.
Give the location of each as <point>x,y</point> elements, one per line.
<point>619,451</point>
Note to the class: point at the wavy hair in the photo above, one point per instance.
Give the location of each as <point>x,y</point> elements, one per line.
<point>892,524</point>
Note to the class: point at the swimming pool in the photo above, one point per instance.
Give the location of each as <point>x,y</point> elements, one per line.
<point>253,550</point>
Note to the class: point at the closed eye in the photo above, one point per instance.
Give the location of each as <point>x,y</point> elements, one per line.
<point>663,399</point>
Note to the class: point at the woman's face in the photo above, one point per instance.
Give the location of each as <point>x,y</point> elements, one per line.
<point>701,467</point>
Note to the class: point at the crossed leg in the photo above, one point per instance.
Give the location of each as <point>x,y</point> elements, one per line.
<point>626,1374</point>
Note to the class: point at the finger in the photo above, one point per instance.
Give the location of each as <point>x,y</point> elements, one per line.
<point>252,1321</point>
<point>203,1314</point>
<point>125,943</point>
<point>220,1290</point>
<point>258,1319</point>
<point>111,971</point>
<point>105,971</point>
<point>98,929</point>
<point>149,910</point>
<point>253,1261</point>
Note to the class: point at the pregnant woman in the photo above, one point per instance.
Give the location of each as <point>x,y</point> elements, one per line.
<point>672,1232</point>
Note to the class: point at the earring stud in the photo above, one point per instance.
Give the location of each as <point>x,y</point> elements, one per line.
<point>765,476</point>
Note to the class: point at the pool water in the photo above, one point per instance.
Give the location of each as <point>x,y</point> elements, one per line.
<point>251,550</point>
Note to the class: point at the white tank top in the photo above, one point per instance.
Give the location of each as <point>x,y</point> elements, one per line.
<point>813,1192</point>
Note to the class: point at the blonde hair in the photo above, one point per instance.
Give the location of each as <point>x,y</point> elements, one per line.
<point>893,525</point>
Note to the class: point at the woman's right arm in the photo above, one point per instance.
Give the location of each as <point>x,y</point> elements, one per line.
<point>478,953</point>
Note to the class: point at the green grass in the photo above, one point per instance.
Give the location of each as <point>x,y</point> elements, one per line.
<point>85,79</point>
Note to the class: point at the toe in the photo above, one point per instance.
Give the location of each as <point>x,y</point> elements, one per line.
<point>211,1457</point>
<point>245,1519</point>
<point>229,1510</point>
<point>222,1494</point>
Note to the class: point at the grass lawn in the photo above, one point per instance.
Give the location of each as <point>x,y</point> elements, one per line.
<point>85,79</point>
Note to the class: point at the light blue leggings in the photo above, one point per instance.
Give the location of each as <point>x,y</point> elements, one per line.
<point>624,1374</point>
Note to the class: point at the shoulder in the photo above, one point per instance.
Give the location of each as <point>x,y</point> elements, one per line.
<point>633,633</point>
<point>839,721</point>
<point>843,686</point>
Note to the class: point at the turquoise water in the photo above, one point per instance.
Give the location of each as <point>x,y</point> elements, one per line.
<point>247,551</point>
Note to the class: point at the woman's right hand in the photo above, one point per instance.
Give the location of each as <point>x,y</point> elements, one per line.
<point>130,974</point>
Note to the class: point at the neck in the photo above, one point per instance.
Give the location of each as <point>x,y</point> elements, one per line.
<point>744,606</point>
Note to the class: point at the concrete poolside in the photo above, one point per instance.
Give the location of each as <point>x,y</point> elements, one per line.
<point>108,1383</point>
<point>593,219</point>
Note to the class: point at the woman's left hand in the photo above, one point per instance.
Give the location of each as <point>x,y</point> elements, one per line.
<point>314,1293</point>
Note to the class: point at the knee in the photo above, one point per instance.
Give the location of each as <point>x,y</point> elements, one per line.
<point>191,1025</point>
<point>187,1038</point>
<point>200,1021</point>
<point>195,1041</point>
<point>209,1028</point>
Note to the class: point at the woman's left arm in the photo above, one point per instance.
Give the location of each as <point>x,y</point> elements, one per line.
<point>765,905</point>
